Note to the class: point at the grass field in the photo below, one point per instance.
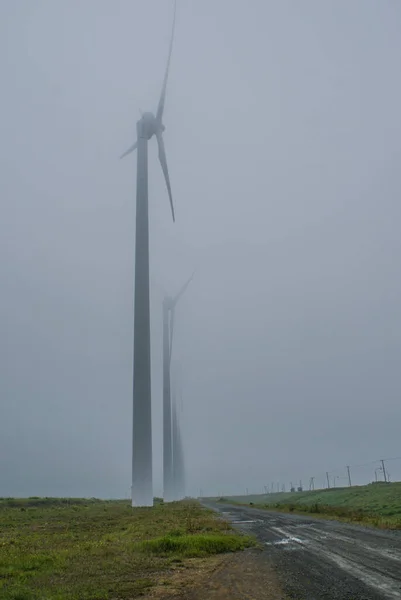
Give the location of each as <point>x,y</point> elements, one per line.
<point>65,549</point>
<point>374,504</point>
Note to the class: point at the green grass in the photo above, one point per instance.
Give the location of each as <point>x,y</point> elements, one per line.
<point>74,549</point>
<point>192,546</point>
<point>375,504</point>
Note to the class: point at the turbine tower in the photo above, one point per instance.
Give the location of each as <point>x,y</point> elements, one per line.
<point>178,450</point>
<point>148,126</point>
<point>169,305</point>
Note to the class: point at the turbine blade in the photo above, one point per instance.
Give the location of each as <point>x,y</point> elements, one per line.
<point>182,290</point>
<point>133,147</point>
<point>163,162</point>
<point>172,313</point>
<point>160,108</point>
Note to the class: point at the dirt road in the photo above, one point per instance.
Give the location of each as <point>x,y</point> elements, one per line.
<point>315,559</point>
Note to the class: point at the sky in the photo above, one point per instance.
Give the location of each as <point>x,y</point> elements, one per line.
<point>283,140</point>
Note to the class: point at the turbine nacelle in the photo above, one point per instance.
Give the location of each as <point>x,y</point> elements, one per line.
<point>148,126</point>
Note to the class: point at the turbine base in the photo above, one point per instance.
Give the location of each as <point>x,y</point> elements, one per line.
<point>140,499</point>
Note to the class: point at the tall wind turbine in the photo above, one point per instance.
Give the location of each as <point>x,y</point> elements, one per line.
<point>148,126</point>
<point>169,305</point>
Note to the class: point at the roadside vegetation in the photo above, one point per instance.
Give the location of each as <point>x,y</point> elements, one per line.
<point>74,549</point>
<point>377,504</point>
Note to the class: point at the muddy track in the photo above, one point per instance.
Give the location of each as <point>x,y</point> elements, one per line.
<point>315,559</point>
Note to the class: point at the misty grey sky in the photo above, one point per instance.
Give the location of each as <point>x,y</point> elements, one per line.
<point>283,138</point>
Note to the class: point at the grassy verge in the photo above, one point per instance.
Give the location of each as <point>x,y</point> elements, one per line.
<point>64,549</point>
<point>378,505</point>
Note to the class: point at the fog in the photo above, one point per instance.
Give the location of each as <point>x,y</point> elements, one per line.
<point>283,139</point>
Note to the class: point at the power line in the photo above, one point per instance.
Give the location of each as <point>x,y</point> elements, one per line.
<point>345,474</point>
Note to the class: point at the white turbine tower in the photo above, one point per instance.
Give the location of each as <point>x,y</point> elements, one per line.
<point>169,305</point>
<point>178,449</point>
<point>148,126</point>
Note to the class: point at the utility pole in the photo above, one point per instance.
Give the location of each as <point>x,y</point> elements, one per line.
<point>312,483</point>
<point>328,479</point>
<point>349,477</point>
<point>384,471</point>
<point>278,487</point>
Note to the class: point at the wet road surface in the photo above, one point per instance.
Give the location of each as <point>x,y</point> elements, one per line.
<point>316,559</point>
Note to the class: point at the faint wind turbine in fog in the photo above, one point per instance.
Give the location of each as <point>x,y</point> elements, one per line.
<point>148,126</point>
<point>169,305</point>
<point>178,450</point>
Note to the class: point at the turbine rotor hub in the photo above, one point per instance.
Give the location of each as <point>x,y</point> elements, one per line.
<point>147,126</point>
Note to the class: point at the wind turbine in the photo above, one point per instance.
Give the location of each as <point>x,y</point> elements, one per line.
<point>178,452</point>
<point>178,485</point>
<point>169,305</point>
<point>148,126</point>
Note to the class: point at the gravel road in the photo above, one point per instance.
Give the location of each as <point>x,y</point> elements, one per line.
<point>315,559</point>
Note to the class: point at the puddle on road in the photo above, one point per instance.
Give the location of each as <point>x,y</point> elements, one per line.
<point>288,541</point>
<point>293,542</point>
<point>240,522</point>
